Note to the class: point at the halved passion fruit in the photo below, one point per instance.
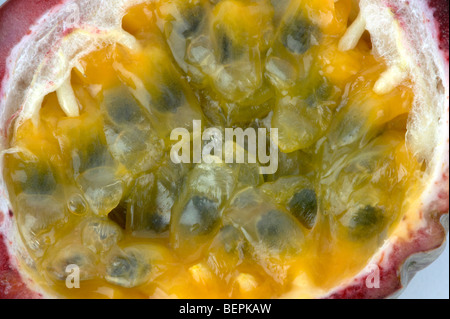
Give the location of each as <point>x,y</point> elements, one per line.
<point>91,96</point>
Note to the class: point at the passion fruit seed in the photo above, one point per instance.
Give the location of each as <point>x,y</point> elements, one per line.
<point>122,108</point>
<point>319,94</point>
<point>193,17</point>
<point>93,154</point>
<point>296,35</point>
<point>170,97</point>
<point>303,206</point>
<point>100,235</point>
<point>231,238</point>
<point>127,270</point>
<point>149,206</point>
<point>275,230</point>
<point>158,222</point>
<point>39,179</point>
<point>228,49</point>
<point>137,150</point>
<point>200,216</point>
<point>101,189</point>
<point>366,223</point>
<point>76,255</point>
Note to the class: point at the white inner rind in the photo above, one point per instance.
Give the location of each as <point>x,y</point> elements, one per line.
<point>79,27</point>
<point>71,30</point>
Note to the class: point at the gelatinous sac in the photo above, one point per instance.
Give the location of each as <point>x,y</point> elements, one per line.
<point>180,22</point>
<point>196,213</point>
<point>30,175</point>
<point>297,194</point>
<point>130,137</point>
<point>151,200</point>
<point>135,265</point>
<point>286,63</point>
<point>227,250</point>
<point>296,33</point>
<point>128,268</point>
<point>168,97</point>
<point>304,118</point>
<point>94,169</point>
<point>40,201</point>
<point>363,189</point>
<point>268,227</point>
<point>219,46</point>
<point>100,235</point>
<point>366,113</point>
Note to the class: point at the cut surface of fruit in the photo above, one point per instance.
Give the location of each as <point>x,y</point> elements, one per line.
<point>88,174</point>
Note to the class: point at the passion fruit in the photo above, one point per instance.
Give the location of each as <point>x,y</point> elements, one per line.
<point>359,94</point>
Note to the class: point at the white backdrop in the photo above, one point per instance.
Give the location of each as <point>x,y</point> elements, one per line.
<point>430,283</point>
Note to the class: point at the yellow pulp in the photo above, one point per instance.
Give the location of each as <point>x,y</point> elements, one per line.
<point>229,63</point>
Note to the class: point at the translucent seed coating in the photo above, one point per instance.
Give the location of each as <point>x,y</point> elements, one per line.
<point>193,18</point>
<point>296,35</point>
<point>127,270</point>
<point>100,235</point>
<point>122,108</point>
<point>200,215</point>
<point>39,179</point>
<point>275,229</point>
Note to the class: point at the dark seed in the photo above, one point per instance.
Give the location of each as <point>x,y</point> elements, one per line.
<point>93,154</point>
<point>367,222</point>
<point>40,179</point>
<point>225,47</point>
<point>296,36</point>
<point>200,215</point>
<point>275,230</point>
<point>170,98</point>
<point>228,50</point>
<point>71,256</point>
<point>323,91</point>
<point>349,130</point>
<point>193,18</point>
<point>158,222</point>
<point>319,94</point>
<point>124,110</point>
<point>303,206</point>
<point>123,267</point>
<point>76,259</point>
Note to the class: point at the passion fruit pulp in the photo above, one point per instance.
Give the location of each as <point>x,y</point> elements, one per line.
<point>360,167</point>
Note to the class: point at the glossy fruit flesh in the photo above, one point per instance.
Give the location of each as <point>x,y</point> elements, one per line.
<point>99,189</point>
